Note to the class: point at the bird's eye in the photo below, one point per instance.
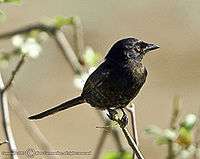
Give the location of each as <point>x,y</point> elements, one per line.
<point>130,54</point>
<point>129,46</point>
<point>138,48</point>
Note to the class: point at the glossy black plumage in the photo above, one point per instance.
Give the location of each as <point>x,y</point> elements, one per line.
<point>116,81</point>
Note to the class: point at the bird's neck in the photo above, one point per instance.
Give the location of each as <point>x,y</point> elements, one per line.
<point>130,64</point>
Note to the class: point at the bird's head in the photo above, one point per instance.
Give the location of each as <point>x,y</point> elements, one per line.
<point>130,49</point>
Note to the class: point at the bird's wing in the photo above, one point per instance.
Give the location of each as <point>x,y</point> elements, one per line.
<point>97,77</point>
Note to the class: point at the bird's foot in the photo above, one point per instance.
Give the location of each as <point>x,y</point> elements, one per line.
<point>124,119</point>
<point>112,114</point>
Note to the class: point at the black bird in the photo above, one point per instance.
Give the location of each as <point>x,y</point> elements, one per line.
<point>115,82</point>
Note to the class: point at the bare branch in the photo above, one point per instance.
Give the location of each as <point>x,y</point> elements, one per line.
<point>107,128</point>
<point>100,144</point>
<point>26,29</point>
<point>67,51</point>
<point>115,134</point>
<point>6,121</point>
<point>131,110</point>
<point>58,36</point>
<point>132,143</point>
<point>4,142</point>
<point>78,28</point>
<point>173,125</point>
<point>129,138</point>
<point>14,72</point>
<point>33,130</point>
<point>175,112</point>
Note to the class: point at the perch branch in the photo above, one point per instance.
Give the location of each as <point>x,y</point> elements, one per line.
<point>106,129</point>
<point>129,138</point>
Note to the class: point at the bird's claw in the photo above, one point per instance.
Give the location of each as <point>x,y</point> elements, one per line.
<point>112,114</point>
<point>123,121</point>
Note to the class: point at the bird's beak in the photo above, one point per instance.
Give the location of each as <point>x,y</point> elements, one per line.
<point>151,47</point>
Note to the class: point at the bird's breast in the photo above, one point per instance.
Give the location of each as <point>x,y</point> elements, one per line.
<point>114,85</point>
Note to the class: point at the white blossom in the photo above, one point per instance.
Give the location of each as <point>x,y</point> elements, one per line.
<point>191,119</point>
<point>31,47</point>
<point>18,40</point>
<point>170,134</point>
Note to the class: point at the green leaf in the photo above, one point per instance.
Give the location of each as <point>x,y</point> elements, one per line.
<point>60,21</point>
<point>13,1</point>
<point>185,137</point>
<point>117,155</point>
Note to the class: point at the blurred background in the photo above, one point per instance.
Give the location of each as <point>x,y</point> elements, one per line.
<point>48,80</point>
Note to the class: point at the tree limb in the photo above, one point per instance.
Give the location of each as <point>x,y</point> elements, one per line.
<point>128,137</point>
<point>78,31</point>
<point>14,72</point>
<point>6,121</point>
<point>131,109</point>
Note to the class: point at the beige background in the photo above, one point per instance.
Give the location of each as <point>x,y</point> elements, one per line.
<point>173,70</point>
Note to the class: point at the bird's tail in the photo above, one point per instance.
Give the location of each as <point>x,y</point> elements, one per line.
<point>59,107</point>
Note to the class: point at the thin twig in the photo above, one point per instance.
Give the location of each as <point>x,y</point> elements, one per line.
<point>4,142</point>
<point>78,28</point>
<point>100,144</point>
<point>6,121</point>
<point>31,128</point>
<point>132,143</point>
<point>175,112</point>
<point>14,72</point>
<point>34,131</point>
<point>107,128</point>
<point>26,29</point>
<point>115,134</point>
<point>57,35</point>
<point>173,125</point>
<point>131,110</point>
<point>129,138</point>
<point>68,52</point>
